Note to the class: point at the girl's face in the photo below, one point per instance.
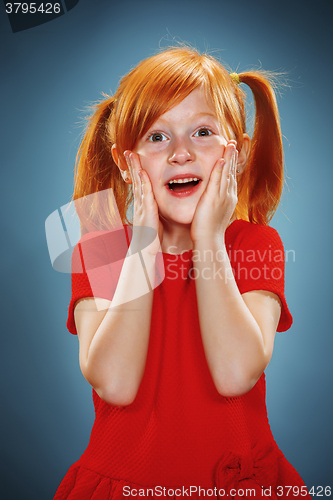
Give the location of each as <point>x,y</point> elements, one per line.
<point>184,143</point>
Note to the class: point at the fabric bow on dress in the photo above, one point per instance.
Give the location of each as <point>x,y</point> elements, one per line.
<point>255,471</point>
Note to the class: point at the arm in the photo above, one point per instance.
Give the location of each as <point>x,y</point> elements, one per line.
<point>114,342</point>
<point>237,330</point>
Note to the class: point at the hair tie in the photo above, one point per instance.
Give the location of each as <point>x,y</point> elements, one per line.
<point>235,78</point>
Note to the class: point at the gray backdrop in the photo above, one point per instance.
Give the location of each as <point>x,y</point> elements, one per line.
<point>50,73</point>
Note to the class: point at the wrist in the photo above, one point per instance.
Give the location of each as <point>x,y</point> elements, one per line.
<point>210,241</point>
<point>145,240</point>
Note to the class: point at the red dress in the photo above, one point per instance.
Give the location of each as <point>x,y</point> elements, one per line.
<point>180,433</point>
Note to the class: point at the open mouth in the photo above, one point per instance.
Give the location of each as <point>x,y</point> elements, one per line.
<point>183,185</point>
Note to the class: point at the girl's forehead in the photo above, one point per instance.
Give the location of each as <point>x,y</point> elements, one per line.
<point>195,104</point>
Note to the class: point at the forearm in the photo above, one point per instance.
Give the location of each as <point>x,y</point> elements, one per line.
<point>114,362</point>
<point>232,340</point>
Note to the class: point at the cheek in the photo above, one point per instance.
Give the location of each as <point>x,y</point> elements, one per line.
<point>213,147</point>
<point>151,159</point>
<point>211,154</point>
<point>150,165</point>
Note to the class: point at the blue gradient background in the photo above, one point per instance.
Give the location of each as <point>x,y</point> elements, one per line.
<point>49,74</point>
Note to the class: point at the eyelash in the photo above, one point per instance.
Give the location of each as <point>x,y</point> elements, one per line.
<point>160,133</point>
<point>152,135</point>
<point>204,128</point>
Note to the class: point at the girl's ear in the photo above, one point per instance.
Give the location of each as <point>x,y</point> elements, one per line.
<point>121,164</point>
<point>243,154</point>
<point>117,159</point>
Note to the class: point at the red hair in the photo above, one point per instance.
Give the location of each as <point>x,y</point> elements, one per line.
<point>156,85</point>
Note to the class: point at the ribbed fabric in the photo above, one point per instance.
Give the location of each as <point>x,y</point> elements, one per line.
<point>179,432</point>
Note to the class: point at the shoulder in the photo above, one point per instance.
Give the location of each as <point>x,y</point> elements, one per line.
<point>244,234</point>
<point>257,257</point>
<point>99,248</point>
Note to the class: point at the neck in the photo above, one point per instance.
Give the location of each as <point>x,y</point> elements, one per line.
<point>176,237</point>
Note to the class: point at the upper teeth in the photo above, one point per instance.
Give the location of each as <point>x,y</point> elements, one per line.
<point>184,180</point>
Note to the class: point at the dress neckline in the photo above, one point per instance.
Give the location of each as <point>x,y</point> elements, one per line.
<point>186,252</point>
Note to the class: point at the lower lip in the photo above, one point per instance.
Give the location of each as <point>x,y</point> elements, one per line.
<point>184,194</point>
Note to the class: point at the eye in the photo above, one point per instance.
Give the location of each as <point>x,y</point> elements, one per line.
<point>203,132</point>
<point>157,137</point>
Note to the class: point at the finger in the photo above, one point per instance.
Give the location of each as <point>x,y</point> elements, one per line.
<point>235,172</point>
<point>143,179</point>
<point>231,174</point>
<point>231,177</point>
<point>146,187</point>
<point>214,182</point>
<point>232,186</point>
<point>228,156</point>
<point>135,166</point>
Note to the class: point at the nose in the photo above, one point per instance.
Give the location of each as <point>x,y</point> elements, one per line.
<point>181,152</point>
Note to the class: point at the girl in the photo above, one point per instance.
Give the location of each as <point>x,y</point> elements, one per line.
<point>177,364</point>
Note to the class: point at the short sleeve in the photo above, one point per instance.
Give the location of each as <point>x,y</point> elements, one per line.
<point>96,265</point>
<point>258,262</point>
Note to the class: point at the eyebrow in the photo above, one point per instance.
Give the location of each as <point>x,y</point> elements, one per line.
<point>197,115</point>
<point>206,114</point>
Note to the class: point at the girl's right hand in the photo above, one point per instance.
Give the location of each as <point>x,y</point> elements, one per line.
<point>145,207</point>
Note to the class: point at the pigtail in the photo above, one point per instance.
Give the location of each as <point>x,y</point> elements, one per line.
<point>260,185</point>
<point>95,171</point>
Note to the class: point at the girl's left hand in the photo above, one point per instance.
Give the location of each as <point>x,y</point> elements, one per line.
<point>218,202</point>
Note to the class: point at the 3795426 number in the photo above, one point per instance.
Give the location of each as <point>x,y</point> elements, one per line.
<point>295,491</point>
<point>32,8</point>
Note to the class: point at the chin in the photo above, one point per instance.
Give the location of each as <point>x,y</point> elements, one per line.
<point>184,218</point>
<point>184,221</point>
